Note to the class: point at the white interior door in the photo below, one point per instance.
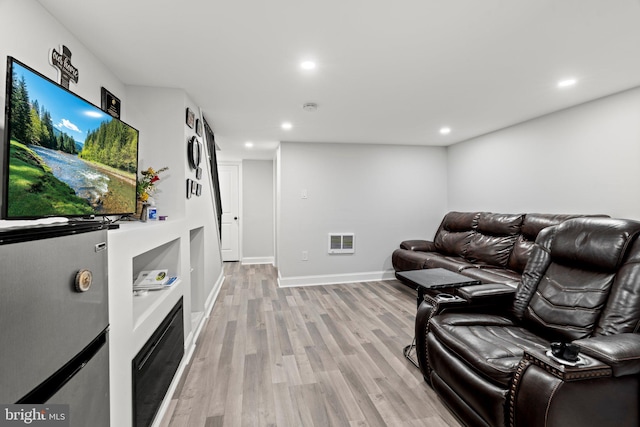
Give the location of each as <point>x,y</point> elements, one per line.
<point>229,176</point>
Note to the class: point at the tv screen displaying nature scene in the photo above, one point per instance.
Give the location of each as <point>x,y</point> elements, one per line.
<point>66,157</point>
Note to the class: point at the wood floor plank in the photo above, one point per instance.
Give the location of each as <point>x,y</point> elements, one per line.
<point>283,334</point>
<point>250,398</point>
<point>308,356</point>
<point>324,357</point>
<point>332,401</point>
<point>278,374</point>
<point>372,416</point>
<point>291,369</point>
<point>343,342</point>
<point>352,409</point>
<point>217,421</point>
<point>307,374</point>
<point>219,362</point>
<point>301,405</point>
<point>286,415</point>
<point>266,409</point>
<point>313,398</point>
<point>301,334</point>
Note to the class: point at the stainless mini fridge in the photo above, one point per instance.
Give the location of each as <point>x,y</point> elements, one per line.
<point>54,319</point>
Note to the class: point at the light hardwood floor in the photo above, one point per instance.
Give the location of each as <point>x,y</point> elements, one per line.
<point>305,356</point>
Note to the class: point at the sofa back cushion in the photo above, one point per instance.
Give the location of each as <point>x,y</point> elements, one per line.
<point>454,232</point>
<point>572,272</point>
<point>493,240</point>
<point>532,224</point>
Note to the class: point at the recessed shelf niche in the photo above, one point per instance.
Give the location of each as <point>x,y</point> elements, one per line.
<point>166,256</point>
<point>196,258</point>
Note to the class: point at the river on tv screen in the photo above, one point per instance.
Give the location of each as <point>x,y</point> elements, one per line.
<point>66,156</point>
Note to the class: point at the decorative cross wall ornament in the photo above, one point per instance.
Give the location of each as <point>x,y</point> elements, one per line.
<point>62,61</point>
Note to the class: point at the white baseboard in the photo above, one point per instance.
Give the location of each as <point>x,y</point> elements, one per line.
<point>213,295</point>
<point>258,260</point>
<point>334,279</point>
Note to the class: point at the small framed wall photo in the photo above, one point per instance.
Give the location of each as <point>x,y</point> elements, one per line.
<point>191,117</point>
<point>110,103</point>
<point>189,188</point>
<point>198,127</point>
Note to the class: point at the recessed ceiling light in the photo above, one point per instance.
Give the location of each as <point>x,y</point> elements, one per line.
<point>248,144</point>
<point>286,125</point>
<point>445,130</point>
<point>567,82</point>
<point>307,65</point>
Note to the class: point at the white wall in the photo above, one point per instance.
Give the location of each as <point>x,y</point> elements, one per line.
<point>384,194</point>
<point>31,44</point>
<point>28,32</point>
<point>151,109</point>
<point>581,160</point>
<point>257,211</point>
<point>159,115</point>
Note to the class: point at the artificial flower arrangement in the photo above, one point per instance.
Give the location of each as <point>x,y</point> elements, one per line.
<point>146,185</point>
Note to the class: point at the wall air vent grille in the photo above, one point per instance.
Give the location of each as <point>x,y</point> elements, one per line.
<point>342,243</point>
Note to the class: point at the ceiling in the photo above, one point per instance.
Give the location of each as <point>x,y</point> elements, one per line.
<point>387,72</point>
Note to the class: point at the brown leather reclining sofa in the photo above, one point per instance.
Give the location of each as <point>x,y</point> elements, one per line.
<point>488,358</point>
<point>490,247</point>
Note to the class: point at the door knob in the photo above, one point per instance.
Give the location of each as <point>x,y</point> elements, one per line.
<point>235,218</point>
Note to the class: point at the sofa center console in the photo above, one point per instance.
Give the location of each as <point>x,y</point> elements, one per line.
<point>435,281</point>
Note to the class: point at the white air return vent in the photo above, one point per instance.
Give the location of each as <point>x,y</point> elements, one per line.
<point>342,243</point>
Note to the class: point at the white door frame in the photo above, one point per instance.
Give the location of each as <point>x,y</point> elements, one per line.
<point>240,211</point>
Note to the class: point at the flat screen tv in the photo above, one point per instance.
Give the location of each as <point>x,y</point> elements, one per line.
<point>63,156</point>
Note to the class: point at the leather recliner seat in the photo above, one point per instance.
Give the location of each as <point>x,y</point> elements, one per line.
<point>581,284</point>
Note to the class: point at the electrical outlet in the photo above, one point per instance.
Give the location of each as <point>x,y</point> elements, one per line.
<point>305,255</point>
<point>303,194</point>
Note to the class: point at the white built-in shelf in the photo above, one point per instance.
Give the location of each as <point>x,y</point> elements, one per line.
<point>145,305</point>
<point>139,237</point>
<point>134,247</point>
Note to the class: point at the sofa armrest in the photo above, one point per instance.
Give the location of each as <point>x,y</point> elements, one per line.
<point>487,293</point>
<point>431,305</point>
<point>418,245</point>
<point>621,352</point>
<point>545,393</point>
<point>589,369</point>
